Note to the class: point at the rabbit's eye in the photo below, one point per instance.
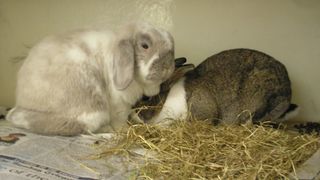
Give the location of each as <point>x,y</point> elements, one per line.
<point>145,46</point>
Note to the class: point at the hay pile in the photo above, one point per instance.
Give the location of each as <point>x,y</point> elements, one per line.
<point>198,150</point>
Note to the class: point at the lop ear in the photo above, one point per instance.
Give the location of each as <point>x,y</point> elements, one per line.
<point>123,64</point>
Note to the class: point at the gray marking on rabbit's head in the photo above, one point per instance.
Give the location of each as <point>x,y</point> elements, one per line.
<point>143,52</point>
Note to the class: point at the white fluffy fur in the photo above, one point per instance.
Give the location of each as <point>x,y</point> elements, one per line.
<point>98,43</point>
<point>91,39</point>
<point>175,106</point>
<point>76,54</point>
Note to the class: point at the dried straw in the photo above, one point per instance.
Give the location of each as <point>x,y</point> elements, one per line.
<point>197,150</point>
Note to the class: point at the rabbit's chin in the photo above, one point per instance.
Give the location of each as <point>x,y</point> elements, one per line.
<point>151,90</point>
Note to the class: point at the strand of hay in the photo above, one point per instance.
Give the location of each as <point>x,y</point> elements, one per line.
<point>198,150</point>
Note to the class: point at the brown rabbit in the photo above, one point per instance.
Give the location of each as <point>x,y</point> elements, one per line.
<point>231,86</point>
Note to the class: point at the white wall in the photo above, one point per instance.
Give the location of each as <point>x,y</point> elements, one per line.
<point>289,30</point>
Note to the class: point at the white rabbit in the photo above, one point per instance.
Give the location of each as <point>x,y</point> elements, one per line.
<point>83,80</point>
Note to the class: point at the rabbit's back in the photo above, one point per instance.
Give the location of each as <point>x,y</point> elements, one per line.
<point>59,70</point>
<point>242,83</point>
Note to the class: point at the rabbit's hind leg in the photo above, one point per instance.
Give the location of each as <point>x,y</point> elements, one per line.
<point>50,123</point>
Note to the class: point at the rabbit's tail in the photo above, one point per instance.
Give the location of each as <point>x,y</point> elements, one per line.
<point>291,112</point>
<point>303,127</point>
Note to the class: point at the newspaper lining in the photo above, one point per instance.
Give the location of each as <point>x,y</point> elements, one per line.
<point>37,157</point>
